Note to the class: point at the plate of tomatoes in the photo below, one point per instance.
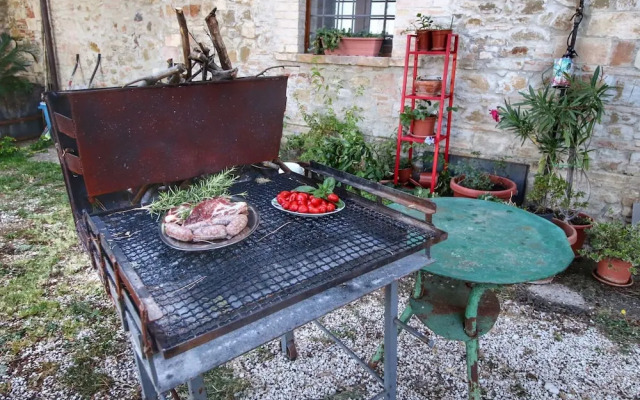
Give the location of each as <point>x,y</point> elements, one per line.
<point>307,201</point>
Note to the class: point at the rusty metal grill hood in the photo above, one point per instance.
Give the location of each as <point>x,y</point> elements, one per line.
<point>114,139</point>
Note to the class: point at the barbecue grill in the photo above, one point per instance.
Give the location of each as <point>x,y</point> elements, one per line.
<point>188,312</point>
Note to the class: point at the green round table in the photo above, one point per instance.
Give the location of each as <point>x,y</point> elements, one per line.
<point>488,244</point>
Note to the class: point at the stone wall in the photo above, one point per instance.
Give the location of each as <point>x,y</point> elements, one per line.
<point>505,46</point>
<point>22,19</point>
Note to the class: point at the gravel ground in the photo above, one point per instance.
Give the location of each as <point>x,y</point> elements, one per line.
<point>529,354</point>
<point>533,352</point>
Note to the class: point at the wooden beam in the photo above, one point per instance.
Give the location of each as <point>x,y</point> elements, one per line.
<point>184,38</point>
<point>218,43</point>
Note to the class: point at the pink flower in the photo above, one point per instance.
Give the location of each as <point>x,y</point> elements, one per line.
<point>495,115</point>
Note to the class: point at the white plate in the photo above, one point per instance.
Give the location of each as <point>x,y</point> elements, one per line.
<point>274,202</point>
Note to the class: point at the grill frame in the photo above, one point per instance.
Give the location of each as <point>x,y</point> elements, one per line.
<point>151,311</point>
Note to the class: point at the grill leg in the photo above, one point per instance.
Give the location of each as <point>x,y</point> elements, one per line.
<point>197,390</point>
<point>148,390</point>
<point>288,346</point>
<point>390,340</point>
<point>379,355</point>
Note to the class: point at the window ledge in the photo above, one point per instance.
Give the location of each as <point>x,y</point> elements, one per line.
<point>380,62</point>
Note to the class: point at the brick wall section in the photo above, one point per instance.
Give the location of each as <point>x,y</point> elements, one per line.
<point>505,46</point>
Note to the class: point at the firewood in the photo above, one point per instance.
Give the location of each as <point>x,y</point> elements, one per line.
<point>218,43</point>
<point>153,79</point>
<point>223,75</point>
<point>184,38</point>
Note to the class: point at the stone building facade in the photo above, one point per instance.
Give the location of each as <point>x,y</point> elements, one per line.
<point>506,45</point>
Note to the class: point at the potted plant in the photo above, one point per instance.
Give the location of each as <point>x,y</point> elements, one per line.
<point>421,120</point>
<point>422,28</point>
<point>428,85</point>
<point>544,196</point>
<point>19,98</point>
<point>471,182</point>
<point>439,36</point>
<point>616,248</point>
<point>560,124</point>
<point>404,170</point>
<point>332,41</point>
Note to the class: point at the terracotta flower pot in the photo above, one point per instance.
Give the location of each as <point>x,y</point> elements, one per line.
<point>582,234</point>
<point>568,229</point>
<point>423,128</point>
<point>461,191</point>
<point>428,87</point>
<point>614,271</point>
<point>404,175</point>
<point>349,46</point>
<point>439,39</point>
<point>425,179</point>
<point>423,39</point>
<point>571,234</point>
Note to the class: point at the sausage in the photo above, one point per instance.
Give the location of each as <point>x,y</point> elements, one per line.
<point>178,232</point>
<point>237,224</point>
<point>209,232</point>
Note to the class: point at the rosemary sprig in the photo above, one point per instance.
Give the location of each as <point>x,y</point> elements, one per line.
<point>211,186</point>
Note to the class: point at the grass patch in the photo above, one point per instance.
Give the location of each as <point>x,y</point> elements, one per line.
<point>221,384</point>
<point>39,256</point>
<point>83,379</point>
<point>618,329</point>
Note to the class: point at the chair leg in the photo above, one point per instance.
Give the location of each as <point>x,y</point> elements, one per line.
<point>472,369</point>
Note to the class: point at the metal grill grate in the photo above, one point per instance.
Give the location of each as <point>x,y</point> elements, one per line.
<point>211,292</point>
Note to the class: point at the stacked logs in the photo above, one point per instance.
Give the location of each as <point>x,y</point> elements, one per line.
<point>199,57</point>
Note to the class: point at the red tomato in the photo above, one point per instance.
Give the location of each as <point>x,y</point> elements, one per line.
<point>286,205</point>
<point>331,207</point>
<point>302,197</point>
<point>303,209</point>
<point>293,207</point>
<point>315,201</point>
<point>323,209</point>
<point>333,198</point>
<point>292,197</point>
<point>314,210</point>
<point>285,193</point>
<point>280,199</point>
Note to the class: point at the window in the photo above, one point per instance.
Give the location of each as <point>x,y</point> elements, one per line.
<point>372,16</point>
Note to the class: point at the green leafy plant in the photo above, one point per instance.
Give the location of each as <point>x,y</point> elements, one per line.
<point>421,22</point>
<point>404,163</point>
<point>329,38</point>
<point>549,193</point>
<point>614,240</point>
<point>559,124</point>
<point>363,34</point>
<point>326,38</point>
<point>474,177</point>
<point>336,140</point>
<point>15,57</point>
<point>322,191</point>
<point>8,147</point>
<point>422,110</point>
